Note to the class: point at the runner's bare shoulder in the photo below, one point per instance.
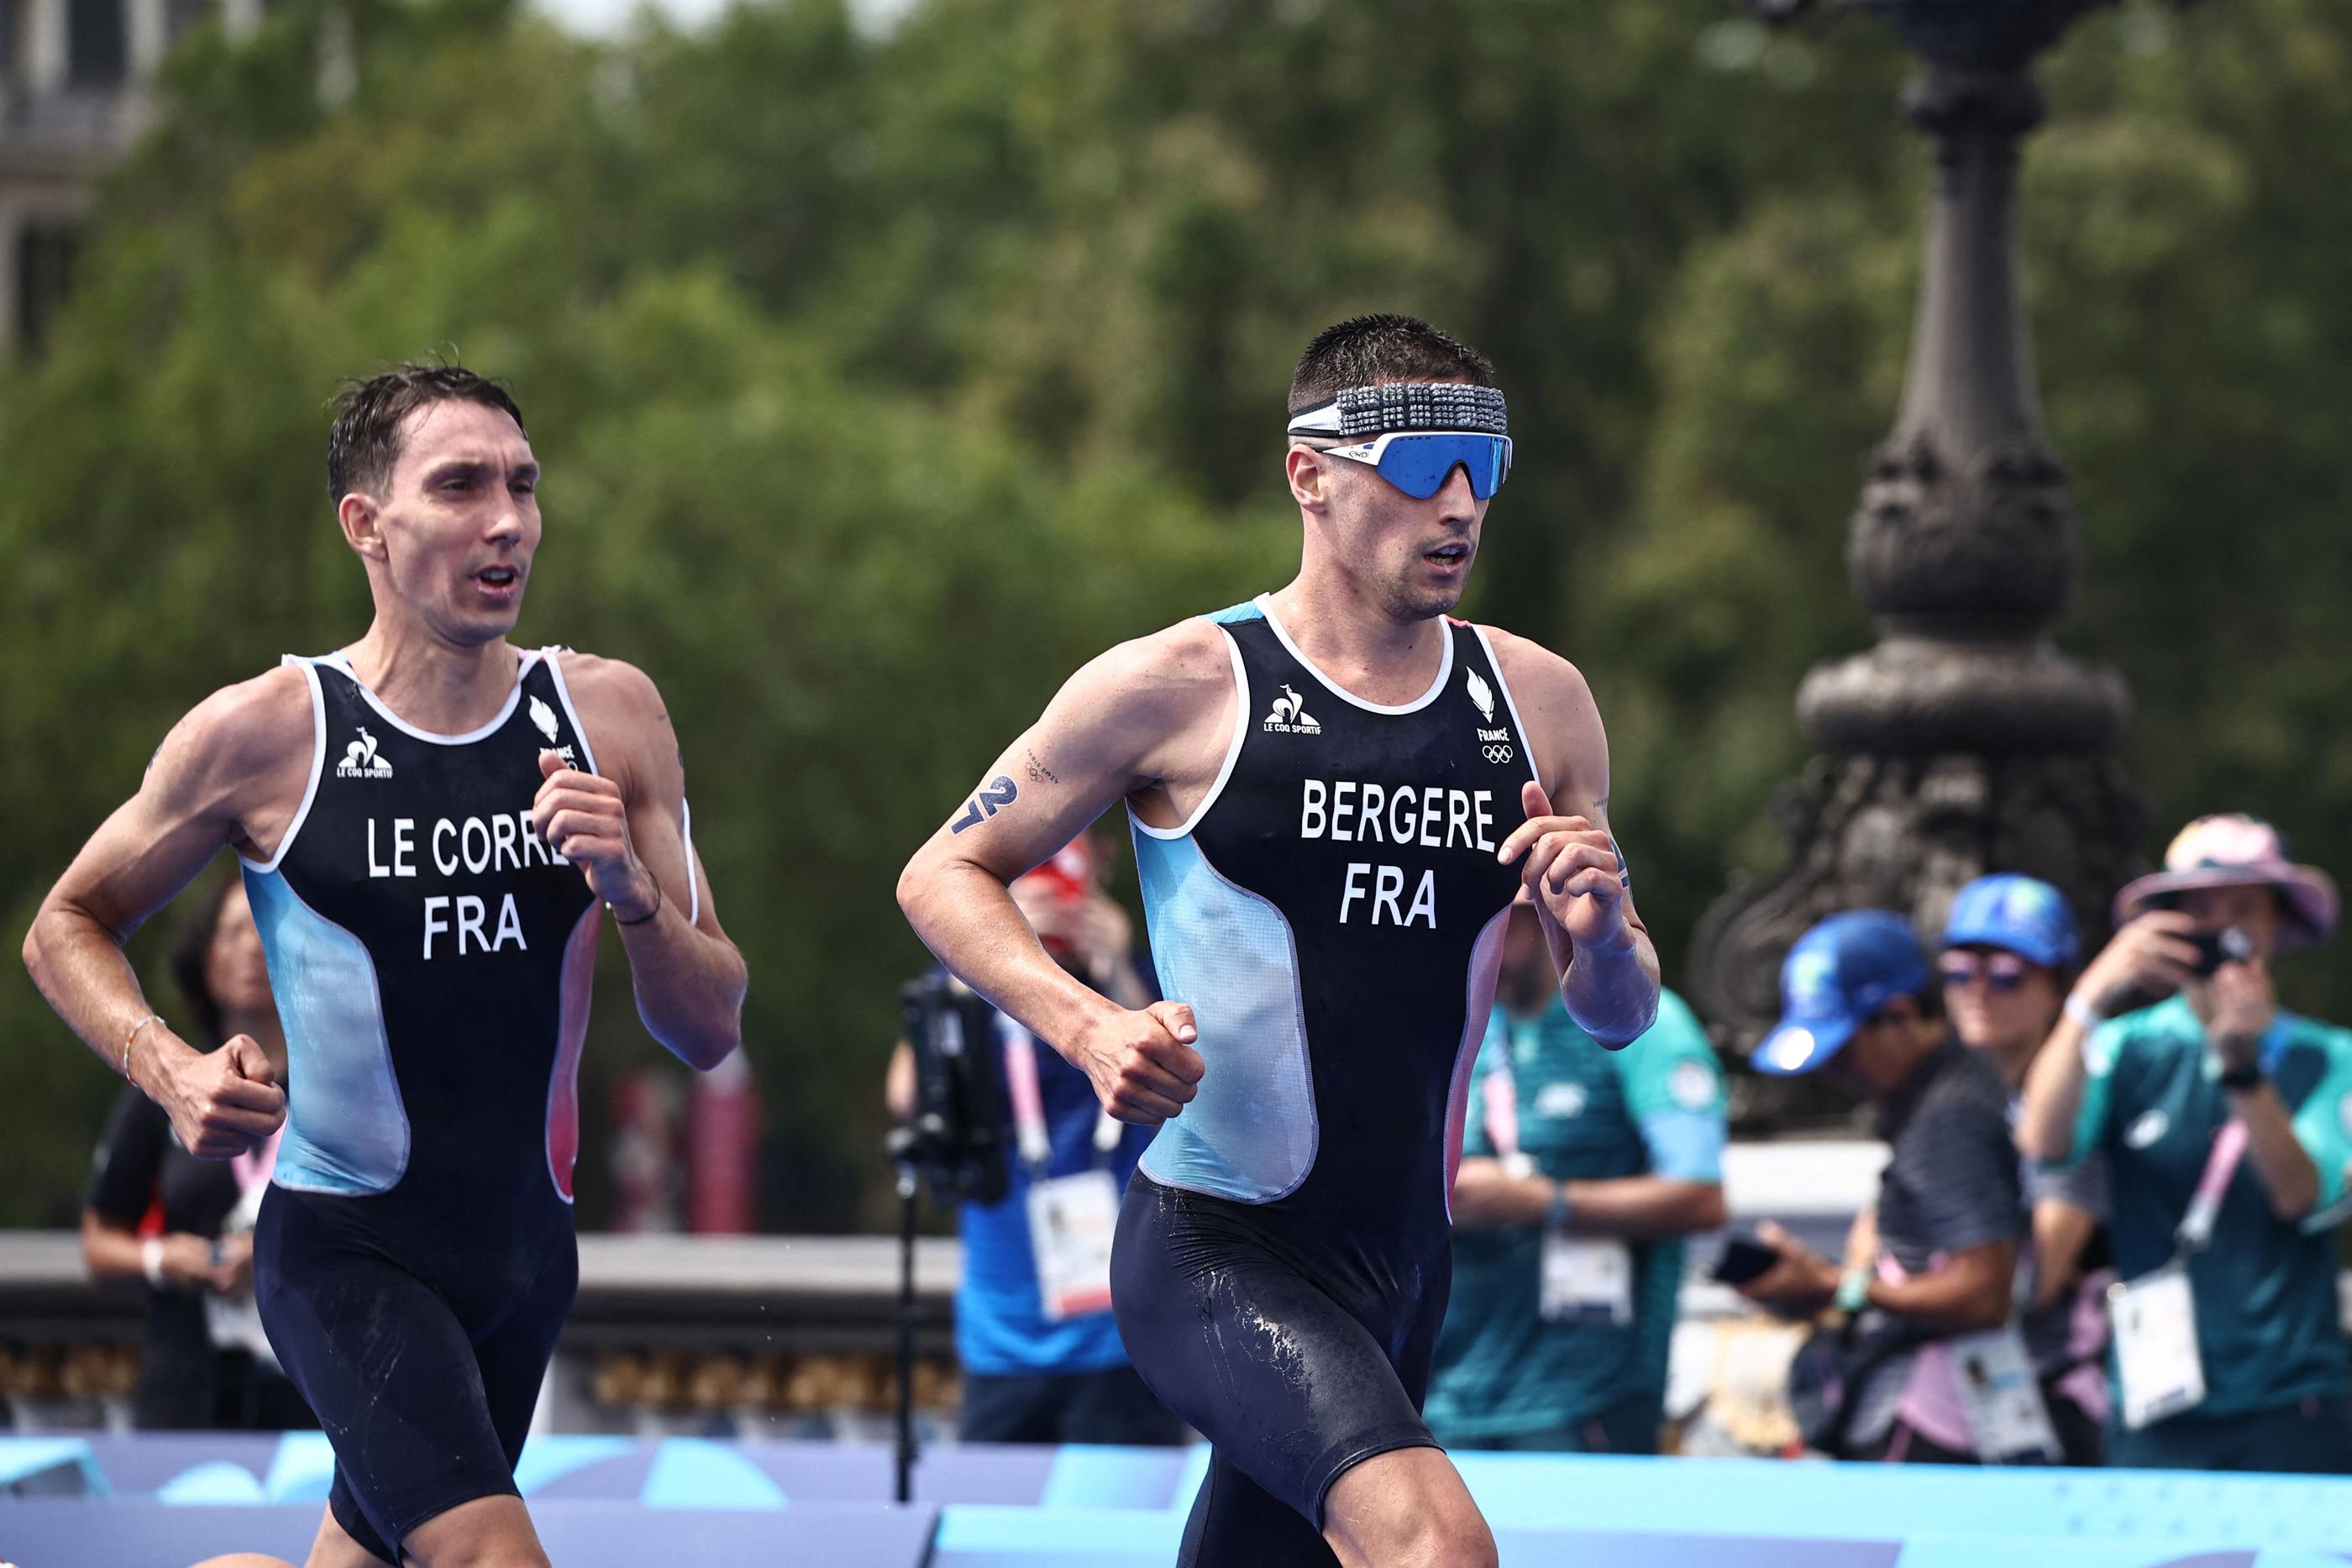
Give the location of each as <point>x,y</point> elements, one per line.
<point>1158,710</point>
<point>1160,684</point>
<point>241,756</point>
<point>627,722</point>
<point>613,686</point>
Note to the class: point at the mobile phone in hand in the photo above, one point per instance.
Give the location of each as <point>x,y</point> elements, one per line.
<point>1744,1259</point>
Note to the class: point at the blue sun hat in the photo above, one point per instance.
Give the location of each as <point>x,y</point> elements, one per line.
<point>1835,980</point>
<point>2019,915</point>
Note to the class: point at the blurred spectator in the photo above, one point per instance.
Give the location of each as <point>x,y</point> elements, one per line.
<point>186,1224</point>
<point>1582,1169</point>
<point>1938,1264</point>
<point>1034,1373</point>
<point>2228,1124</point>
<point>2010,947</point>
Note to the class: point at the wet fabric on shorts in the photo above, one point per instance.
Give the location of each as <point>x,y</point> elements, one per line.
<point>423,1363</point>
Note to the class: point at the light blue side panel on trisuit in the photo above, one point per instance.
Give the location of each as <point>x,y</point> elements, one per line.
<point>1227,953</point>
<point>346,1130</point>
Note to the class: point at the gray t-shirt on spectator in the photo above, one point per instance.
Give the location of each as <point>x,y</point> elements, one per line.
<point>1951,1183</point>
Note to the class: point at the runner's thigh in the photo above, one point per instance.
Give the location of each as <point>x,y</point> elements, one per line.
<point>1286,1385</point>
<point>389,1371</point>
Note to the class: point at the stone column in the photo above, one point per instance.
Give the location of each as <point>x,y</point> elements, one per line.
<point>149,39</point>
<point>44,47</point>
<point>1964,742</point>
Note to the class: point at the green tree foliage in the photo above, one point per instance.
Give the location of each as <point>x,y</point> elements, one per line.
<point>882,377</point>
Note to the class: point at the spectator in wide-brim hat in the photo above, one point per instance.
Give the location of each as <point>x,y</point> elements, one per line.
<point>2238,851</point>
<point>2218,1086</point>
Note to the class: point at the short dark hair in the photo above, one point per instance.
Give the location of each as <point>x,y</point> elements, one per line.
<point>1366,351</point>
<point>364,446</point>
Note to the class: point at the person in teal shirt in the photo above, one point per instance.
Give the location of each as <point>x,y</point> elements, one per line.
<point>2216,1082</point>
<point>1582,1169</point>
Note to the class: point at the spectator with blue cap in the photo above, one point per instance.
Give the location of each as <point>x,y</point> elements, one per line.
<point>2228,1123</point>
<point>1861,1005</point>
<point>2009,952</point>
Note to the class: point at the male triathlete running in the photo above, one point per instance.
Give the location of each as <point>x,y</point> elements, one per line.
<point>432,823</point>
<point>1336,792</point>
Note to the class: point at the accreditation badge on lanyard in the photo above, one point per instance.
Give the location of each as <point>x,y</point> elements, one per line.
<point>1072,1219</point>
<point>1582,1279</point>
<point>2157,1358</point>
<point>2000,1397</point>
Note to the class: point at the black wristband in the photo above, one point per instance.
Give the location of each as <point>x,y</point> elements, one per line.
<point>648,915</point>
<point>2244,1076</point>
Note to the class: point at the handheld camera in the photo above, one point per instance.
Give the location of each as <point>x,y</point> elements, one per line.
<point>957,1138</point>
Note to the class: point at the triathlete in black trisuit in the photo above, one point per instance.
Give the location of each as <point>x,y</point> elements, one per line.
<point>432,823</point>
<point>1336,791</point>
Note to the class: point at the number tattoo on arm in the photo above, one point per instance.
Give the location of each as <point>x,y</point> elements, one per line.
<point>992,798</point>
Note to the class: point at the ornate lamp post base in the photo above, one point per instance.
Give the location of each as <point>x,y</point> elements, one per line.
<point>1963,742</point>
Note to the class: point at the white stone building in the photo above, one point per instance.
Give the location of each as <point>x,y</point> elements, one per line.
<point>74,78</point>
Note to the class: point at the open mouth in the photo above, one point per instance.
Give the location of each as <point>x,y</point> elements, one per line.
<point>1447,555</point>
<point>498,577</point>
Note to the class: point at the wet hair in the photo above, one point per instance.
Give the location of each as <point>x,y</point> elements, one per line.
<point>1366,351</point>
<point>192,947</point>
<point>365,445</point>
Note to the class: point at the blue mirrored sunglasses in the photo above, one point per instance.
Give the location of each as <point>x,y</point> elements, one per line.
<point>1419,461</point>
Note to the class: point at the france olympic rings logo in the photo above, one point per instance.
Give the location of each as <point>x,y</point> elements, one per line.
<point>1498,753</point>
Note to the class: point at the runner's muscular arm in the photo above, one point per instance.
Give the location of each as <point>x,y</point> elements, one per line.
<point>627,831</point>
<point>230,772</point>
<point>1148,715</point>
<point>1608,967</point>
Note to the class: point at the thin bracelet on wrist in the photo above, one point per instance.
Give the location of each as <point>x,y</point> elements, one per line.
<point>1853,1290</point>
<point>131,1034</point>
<point>648,915</point>
<point>2082,1015</point>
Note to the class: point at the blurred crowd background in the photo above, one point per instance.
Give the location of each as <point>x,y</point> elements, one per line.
<point>887,363</point>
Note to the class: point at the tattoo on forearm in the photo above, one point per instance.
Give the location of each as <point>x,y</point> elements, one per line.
<point>992,799</point>
<point>1039,773</point>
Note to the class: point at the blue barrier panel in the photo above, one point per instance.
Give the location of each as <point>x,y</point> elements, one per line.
<point>49,1467</point>
<point>1014,1507</point>
<point>142,1463</point>
<point>2180,1511</point>
<point>697,1473</point>
<point>79,1534</point>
